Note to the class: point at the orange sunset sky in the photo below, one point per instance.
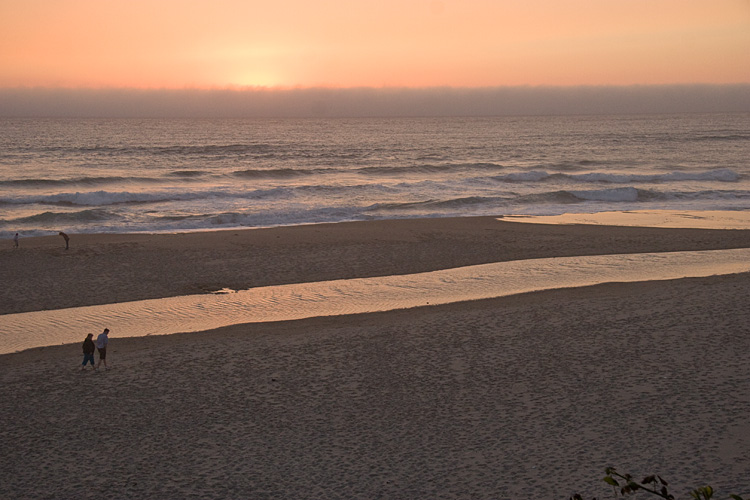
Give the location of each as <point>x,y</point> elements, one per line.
<point>373,43</point>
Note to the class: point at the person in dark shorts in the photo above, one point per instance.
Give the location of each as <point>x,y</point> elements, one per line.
<point>101,345</point>
<point>88,351</point>
<point>66,238</point>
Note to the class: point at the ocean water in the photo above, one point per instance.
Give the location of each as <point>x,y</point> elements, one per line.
<point>128,175</point>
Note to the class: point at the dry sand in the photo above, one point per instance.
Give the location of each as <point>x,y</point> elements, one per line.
<point>528,396</point>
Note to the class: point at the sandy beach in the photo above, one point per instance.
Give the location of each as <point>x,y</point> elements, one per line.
<point>528,396</point>
<point>107,268</point>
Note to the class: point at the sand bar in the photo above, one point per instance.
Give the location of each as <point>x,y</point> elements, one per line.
<point>528,396</point>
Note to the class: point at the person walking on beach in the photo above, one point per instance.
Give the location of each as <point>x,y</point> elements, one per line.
<point>15,240</point>
<point>101,345</point>
<point>88,351</point>
<point>67,239</point>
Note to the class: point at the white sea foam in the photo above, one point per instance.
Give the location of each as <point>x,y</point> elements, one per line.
<point>185,175</point>
<point>718,175</point>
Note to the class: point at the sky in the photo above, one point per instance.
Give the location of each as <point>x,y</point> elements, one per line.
<point>214,45</point>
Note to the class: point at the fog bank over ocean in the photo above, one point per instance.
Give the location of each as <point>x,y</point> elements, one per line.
<point>373,102</point>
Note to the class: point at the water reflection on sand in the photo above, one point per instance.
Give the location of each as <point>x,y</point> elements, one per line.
<point>706,219</point>
<point>352,296</point>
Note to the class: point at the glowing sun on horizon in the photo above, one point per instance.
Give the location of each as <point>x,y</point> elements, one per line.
<point>256,78</point>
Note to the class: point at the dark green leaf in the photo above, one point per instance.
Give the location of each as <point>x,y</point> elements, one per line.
<point>611,480</point>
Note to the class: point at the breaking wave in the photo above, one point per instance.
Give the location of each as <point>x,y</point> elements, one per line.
<point>95,215</point>
<point>105,198</point>
<point>719,175</point>
<point>77,181</point>
<point>397,170</point>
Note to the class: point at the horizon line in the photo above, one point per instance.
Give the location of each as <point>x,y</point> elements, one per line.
<point>300,102</point>
<point>232,87</point>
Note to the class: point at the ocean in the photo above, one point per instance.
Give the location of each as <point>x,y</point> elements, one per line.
<point>173,175</point>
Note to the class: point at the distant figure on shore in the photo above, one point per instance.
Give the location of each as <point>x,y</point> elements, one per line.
<point>88,351</point>
<point>67,239</point>
<point>101,345</point>
<point>15,240</point>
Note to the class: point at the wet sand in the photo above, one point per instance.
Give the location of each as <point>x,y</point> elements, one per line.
<point>208,311</point>
<point>528,396</point>
<point>716,219</point>
<point>108,268</point>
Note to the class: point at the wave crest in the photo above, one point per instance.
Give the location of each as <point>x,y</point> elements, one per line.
<point>718,175</point>
<point>94,215</point>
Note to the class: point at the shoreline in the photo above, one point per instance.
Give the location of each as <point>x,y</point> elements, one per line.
<point>703,219</point>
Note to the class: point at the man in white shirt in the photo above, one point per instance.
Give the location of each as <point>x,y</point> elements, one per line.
<point>101,345</point>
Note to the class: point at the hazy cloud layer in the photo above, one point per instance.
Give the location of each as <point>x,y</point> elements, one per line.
<point>368,102</point>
